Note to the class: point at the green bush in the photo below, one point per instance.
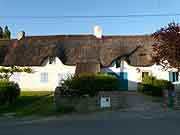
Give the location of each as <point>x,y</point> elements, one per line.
<point>88,84</point>
<point>65,109</point>
<point>152,86</point>
<point>9,92</point>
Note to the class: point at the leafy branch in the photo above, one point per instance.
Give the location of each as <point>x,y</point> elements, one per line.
<point>7,72</point>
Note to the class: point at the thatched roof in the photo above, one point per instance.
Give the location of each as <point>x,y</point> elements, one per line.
<point>73,49</point>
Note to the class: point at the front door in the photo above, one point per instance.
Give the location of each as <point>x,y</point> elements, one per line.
<point>123,81</point>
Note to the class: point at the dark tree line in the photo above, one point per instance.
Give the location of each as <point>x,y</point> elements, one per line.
<point>5,34</point>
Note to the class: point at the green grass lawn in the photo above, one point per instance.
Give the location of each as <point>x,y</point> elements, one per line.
<point>31,103</point>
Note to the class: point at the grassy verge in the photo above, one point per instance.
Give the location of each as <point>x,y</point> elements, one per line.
<point>31,103</point>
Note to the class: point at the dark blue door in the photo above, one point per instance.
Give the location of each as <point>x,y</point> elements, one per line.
<point>123,81</point>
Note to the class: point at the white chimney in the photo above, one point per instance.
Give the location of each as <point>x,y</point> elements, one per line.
<point>98,32</point>
<point>20,35</point>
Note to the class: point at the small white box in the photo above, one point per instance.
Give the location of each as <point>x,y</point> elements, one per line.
<point>105,102</point>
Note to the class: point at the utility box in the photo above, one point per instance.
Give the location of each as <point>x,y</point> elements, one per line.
<point>105,102</point>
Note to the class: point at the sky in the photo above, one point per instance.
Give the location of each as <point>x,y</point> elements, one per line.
<point>111,26</point>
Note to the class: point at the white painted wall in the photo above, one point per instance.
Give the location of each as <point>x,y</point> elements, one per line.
<point>134,77</point>
<point>58,71</point>
<point>32,81</point>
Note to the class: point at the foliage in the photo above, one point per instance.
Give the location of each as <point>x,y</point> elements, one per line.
<point>65,109</point>
<point>7,33</point>
<point>9,92</point>
<point>88,84</point>
<point>6,73</point>
<point>167,47</point>
<point>152,86</point>
<point>1,32</point>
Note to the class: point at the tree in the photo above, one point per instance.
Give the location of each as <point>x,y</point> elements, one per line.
<point>167,46</point>
<point>7,33</point>
<point>6,73</point>
<point>1,32</point>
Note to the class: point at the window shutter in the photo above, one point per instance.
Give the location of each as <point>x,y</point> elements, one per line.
<point>121,75</point>
<point>177,76</point>
<point>125,76</point>
<point>171,76</point>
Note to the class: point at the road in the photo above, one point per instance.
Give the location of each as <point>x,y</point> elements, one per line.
<point>99,123</point>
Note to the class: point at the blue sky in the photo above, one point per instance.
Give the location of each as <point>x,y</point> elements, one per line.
<point>111,26</point>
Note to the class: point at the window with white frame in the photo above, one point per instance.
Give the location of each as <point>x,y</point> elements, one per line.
<point>44,77</point>
<point>117,63</point>
<point>144,73</point>
<point>174,76</point>
<point>52,60</point>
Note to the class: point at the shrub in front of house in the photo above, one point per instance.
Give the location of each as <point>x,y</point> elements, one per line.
<point>152,86</point>
<point>9,92</point>
<point>88,84</point>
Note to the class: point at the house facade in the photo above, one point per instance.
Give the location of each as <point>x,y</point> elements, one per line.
<point>55,58</point>
<point>46,77</point>
<point>130,76</point>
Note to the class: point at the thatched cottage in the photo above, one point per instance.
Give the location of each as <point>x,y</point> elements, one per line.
<point>53,58</point>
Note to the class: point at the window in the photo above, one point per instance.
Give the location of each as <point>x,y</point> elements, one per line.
<point>145,74</point>
<point>118,63</point>
<point>44,77</point>
<point>52,60</point>
<point>173,76</point>
<point>113,64</point>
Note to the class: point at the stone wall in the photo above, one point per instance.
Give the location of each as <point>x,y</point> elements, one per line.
<point>177,100</point>
<point>86,104</point>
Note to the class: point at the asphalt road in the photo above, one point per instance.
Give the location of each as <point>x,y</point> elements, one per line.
<point>102,123</point>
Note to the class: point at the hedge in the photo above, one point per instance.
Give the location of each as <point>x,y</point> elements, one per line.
<point>88,84</point>
<point>9,92</point>
<point>152,86</point>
